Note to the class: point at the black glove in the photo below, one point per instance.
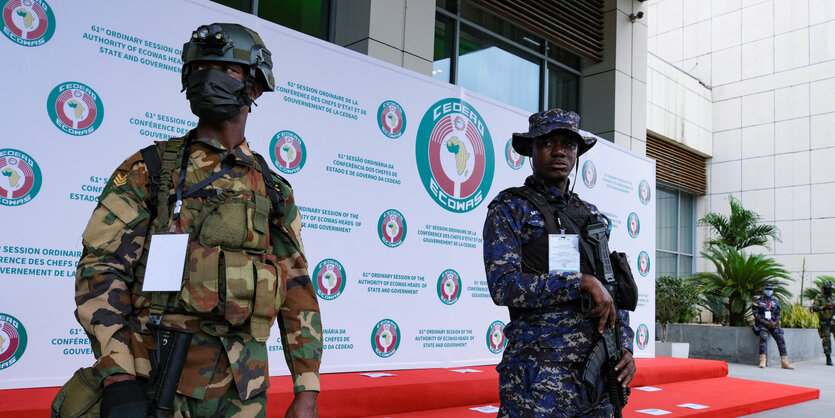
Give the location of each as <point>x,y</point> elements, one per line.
<point>125,399</point>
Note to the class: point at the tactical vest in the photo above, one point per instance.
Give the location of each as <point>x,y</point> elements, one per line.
<point>230,270</point>
<point>574,217</point>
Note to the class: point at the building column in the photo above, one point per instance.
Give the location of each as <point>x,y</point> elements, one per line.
<point>614,91</point>
<point>400,32</point>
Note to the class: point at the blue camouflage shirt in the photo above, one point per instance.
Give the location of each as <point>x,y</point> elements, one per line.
<point>549,324</point>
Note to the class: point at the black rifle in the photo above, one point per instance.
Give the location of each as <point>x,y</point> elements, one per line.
<point>607,352</point>
<point>167,364</point>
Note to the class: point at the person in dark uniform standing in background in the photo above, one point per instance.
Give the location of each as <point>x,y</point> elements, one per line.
<point>767,320</point>
<point>824,305</point>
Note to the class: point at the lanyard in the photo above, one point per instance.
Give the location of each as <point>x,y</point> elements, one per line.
<point>226,166</point>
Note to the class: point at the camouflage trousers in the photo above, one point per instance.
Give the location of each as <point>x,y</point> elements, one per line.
<point>228,406</point>
<point>542,389</point>
<point>824,331</point>
<point>222,399</point>
<point>775,332</point>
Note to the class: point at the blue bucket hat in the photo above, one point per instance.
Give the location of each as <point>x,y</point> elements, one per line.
<point>548,121</point>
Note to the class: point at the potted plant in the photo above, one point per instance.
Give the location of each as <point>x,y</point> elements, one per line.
<point>674,302</point>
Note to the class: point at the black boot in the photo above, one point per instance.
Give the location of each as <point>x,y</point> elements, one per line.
<point>828,360</point>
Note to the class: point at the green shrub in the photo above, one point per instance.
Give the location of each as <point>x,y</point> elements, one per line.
<point>674,302</point>
<point>796,316</point>
<point>738,279</point>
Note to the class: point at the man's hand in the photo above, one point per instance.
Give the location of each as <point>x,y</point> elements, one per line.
<point>304,406</point>
<point>626,367</point>
<point>771,324</point>
<point>604,307</point>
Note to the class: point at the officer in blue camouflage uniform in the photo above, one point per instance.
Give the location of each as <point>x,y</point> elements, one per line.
<point>767,320</point>
<point>548,336</point>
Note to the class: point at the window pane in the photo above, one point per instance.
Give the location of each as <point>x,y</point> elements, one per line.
<point>665,264</point>
<point>306,16</point>
<point>666,219</point>
<point>444,45</point>
<point>685,266</point>
<point>564,57</point>
<point>563,89</point>
<point>501,26</point>
<point>497,71</point>
<point>685,244</point>
<point>243,5</point>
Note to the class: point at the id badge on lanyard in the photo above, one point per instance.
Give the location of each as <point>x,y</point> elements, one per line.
<point>563,253</point>
<point>166,258</point>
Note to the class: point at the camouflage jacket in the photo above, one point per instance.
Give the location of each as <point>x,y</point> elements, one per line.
<point>551,325</point>
<point>821,300</point>
<point>114,311</point>
<point>763,304</point>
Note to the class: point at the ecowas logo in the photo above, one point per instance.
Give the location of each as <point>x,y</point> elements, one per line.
<point>643,263</point>
<point>12,340</point>
<point>449,287</point>
<point>589,174</point>
<point>20,177</point>
<point>391,119</point>
<point>287,152</point>
<point>644,192</point>
<point>642,336</point>
<point>496,340</point>
<point>330,279</point>
<point>75,108</point>
<point>513,158</point>
<point>385,338</point>
<point>28,22</point>
<point>391,228</point>
<point>633,225</point>
<point>454,153</point>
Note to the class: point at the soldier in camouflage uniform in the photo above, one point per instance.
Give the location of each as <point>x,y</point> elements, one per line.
<point>548,336</point>
<point>824,305</point>
<point>245,260</point>
<point>767,320</point>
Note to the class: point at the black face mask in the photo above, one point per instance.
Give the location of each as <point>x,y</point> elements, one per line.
<point>215,96</point>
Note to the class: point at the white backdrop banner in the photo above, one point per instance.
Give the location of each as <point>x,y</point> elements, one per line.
<point>392,172</point>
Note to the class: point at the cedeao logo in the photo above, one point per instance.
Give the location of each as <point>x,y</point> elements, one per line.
<point>642,336</point>
<point>329,278</point>
<point>12,340</point>
<point>496,340</point>
<point>20,177</point>
<point>643,192</point>
<point>633,225</point>
<point>75,108</point>
<point>385,338</point>
<point>391,119</point>
<point>28,22</point>
<point>449,287</point>
<point>589,174</point>
<point>513,158</point>
<point>287,152</point>
<point>643,263</point>
<point>391,228</point>
<point>454,153</point>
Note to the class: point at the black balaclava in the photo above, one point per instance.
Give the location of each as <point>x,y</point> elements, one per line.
<point>215,96</point>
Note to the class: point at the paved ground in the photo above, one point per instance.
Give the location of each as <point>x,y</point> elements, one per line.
<point>810,374</point>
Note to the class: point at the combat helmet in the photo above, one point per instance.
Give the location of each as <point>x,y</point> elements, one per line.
<point>230,42</point>
<point>828,287</point>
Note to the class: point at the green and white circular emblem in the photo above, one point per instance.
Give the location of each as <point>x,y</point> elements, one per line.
<point>20,177</point>
<point>385,338</point>
<point>12,340</point>
<point>454,153</point>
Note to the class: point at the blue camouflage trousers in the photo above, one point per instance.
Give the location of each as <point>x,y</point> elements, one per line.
<point>777,333</point>
<point>543,389</point>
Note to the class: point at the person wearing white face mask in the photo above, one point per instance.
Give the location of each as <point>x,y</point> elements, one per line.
<point>767,321</point>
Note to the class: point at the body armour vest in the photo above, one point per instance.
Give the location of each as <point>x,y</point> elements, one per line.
<point>231,276</point>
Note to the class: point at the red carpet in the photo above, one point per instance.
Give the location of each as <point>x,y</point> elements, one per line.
<point>444,393</point>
